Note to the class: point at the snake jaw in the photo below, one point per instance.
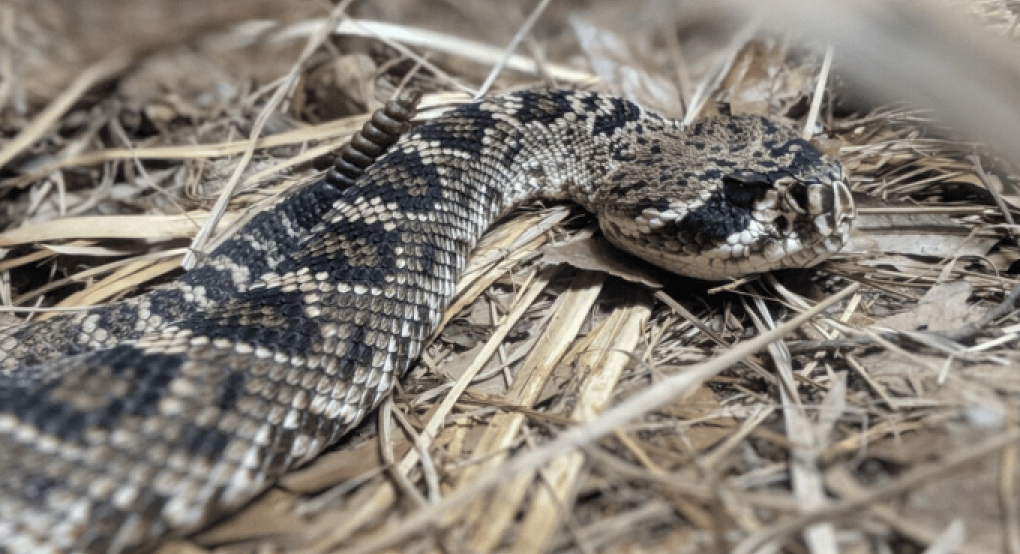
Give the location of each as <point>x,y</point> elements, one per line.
<point>798,221</point>
<point>823,211</point>
<point>826,214</point>
<point>767,222</point>
<point>844,213</point>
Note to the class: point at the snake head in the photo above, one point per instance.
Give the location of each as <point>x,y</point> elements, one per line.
<point>803,219</point>
<point>795,210</point>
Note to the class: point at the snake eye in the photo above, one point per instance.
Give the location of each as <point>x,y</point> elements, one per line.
<point>744,191</point>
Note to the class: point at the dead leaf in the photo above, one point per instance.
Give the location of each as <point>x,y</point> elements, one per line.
<point>341,465</point>
<point>595,253</point>
<point>269,515</point>
<point>942,308</point>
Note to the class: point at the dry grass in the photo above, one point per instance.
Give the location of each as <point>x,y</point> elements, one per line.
<point>581,406</point>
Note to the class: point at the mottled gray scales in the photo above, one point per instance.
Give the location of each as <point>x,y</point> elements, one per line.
<point>129,423</point>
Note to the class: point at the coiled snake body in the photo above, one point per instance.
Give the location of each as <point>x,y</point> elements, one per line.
<point>124,424</point>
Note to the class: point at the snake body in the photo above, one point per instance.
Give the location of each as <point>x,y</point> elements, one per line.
<point>128,423</point>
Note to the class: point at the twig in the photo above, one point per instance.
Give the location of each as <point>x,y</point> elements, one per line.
<point>854,506</point>
<point>960,334</point>
<point>518,37</point>
<point>205,232</point>
<point>104,69</point>
<point>816,102</point>
<point>992,189</point>
<point>651,399</point>
<point>385,418</point>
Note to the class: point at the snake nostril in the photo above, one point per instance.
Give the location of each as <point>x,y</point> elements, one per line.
<point>783,224</point>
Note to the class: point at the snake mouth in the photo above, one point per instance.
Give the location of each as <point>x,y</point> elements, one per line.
<point>794,223</point>
<point>799,223</point>
<point>811,225</point>
<point>752,222</point>
<point>817,222</point>
<point>834,227</point>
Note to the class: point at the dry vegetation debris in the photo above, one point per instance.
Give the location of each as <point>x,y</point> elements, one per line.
<point>882,419</point>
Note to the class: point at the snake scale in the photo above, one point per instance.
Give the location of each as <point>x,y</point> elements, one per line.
<point>129,423</point>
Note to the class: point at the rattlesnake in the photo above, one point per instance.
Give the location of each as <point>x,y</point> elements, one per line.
<point>127,423</point>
